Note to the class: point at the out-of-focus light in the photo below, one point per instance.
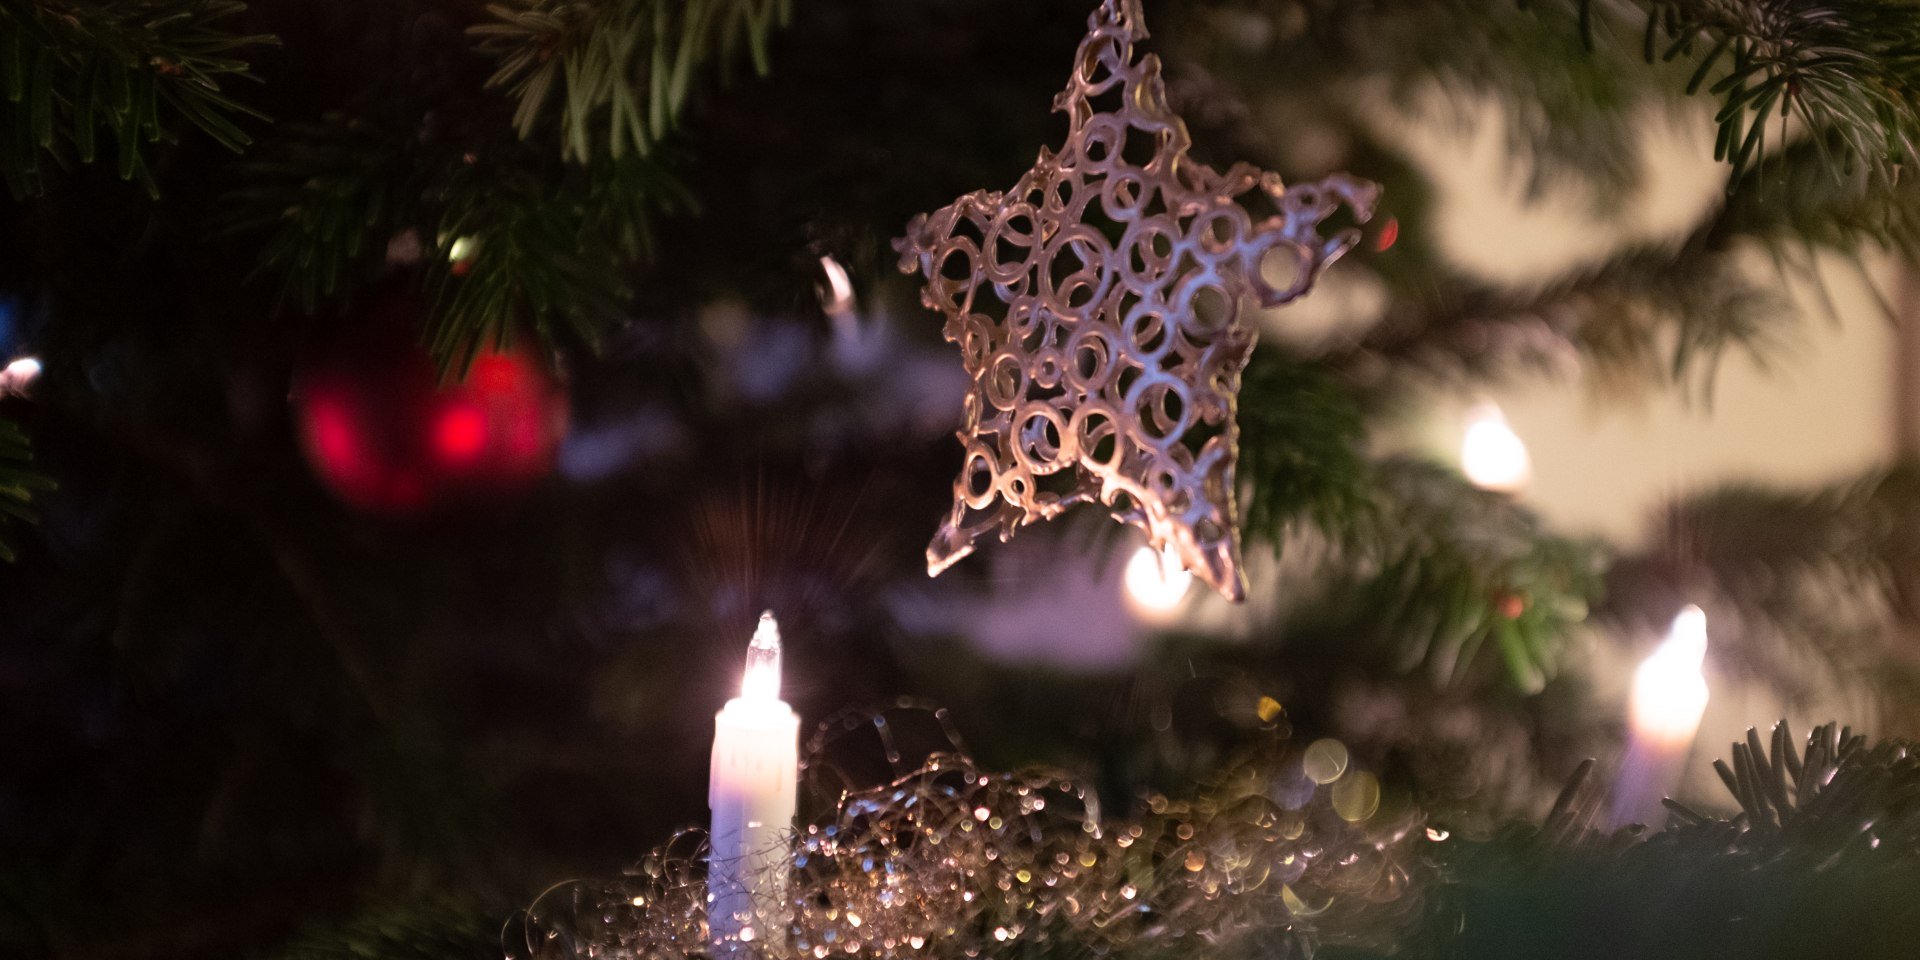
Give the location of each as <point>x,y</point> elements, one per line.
<point>1356,797</point>
<point>460,249</point>
<point>1155,580</point>
<point>838,296</point>
<point>18,377</point>
<point>1669,692</point>
<point>858,346</point>
<point>1389,232</point>
<point>1325,760</point>
<point>1491,454</point>
<point>460,433</point>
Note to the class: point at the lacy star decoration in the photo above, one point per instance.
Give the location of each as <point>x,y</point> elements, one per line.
<point>1108,371</point>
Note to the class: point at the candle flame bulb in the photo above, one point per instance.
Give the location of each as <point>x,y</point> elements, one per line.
<point>762,678</point>
<point>1669,692</point>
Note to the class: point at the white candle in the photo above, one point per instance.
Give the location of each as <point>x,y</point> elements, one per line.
<point>1664,709</point>
<point>756,755</point>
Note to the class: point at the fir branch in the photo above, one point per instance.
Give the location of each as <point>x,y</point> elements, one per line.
<point>512,236</point>
<point>1835,795</point>
<point>1300,441</point>
<point>1848,72</point>
<point>1650,313</point>
<point>326,197</point>
<point>1822,860</point>
<point>72,68</point>
<point>1439,574</point>
<point>1659,312</point>
<point>432,930</point>
<point>622,69</point>
<point>1806,207</point>
<point>552,254</point>
<point>18,481</point>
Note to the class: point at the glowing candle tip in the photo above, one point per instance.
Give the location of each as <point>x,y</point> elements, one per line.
<point>762,679</point>
<point>1669,693</point>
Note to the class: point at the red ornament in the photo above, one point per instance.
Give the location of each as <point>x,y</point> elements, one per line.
<point>1510,605</point>
<point>386,434</point>
<point>1389,233</point>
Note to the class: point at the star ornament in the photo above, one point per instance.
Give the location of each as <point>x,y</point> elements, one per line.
<point>1097,307</point>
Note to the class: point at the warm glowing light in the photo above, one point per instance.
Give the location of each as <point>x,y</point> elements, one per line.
<point>460,249</point>
<point>1669,692</point>
<point>839,293</point>
<point>1155,579</point>
<point>19,375</point>
<point>1491,454</point>
<point>762,679</point>
<point>1324,761</point>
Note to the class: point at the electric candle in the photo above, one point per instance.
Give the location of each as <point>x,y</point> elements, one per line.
<point>750,790</point>
<point>1668,699</point>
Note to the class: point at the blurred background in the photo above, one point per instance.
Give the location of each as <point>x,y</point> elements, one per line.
<point>411,452</point>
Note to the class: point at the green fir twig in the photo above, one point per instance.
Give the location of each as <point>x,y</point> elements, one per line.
<point>83,78</point>
<point>18,481</point>
<point>622,70</point>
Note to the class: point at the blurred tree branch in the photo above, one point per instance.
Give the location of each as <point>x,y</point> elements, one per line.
<point>622,69</point>
<point>18,481</point>
<point>71,68</point>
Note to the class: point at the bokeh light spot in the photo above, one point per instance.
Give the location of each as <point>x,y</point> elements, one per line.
<point>1325,760</point>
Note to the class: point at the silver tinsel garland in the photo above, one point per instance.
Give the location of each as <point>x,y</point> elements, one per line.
<point>1286,848</point>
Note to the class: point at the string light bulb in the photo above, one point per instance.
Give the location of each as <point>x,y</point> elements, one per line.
<point>1491,454</point>
<point>1155,580</point>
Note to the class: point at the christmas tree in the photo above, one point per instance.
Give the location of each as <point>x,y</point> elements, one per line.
<point>410,407</point>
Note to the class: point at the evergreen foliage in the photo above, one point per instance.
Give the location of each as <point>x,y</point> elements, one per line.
<point>18,481</point>
<point>371,713</point>
<point>621,69</point>
<point>428,930</point>
<point>71,69</point>
<point>1820,860</point>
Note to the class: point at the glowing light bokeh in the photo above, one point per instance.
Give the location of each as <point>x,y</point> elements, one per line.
<point>1669,691</point>
<point>19,375</point>
<point>1491,454</point>
<point>460,433</point>
<point>1155,581</point>
<point>839,292</point>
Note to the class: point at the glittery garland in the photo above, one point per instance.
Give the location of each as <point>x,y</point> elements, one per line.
<point>1286,849</point>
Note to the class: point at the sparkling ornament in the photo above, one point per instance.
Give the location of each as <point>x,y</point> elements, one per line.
<point>1108,371</point>
<point>387,436</point>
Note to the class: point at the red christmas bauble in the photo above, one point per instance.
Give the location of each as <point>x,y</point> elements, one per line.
<point>388,435</point>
